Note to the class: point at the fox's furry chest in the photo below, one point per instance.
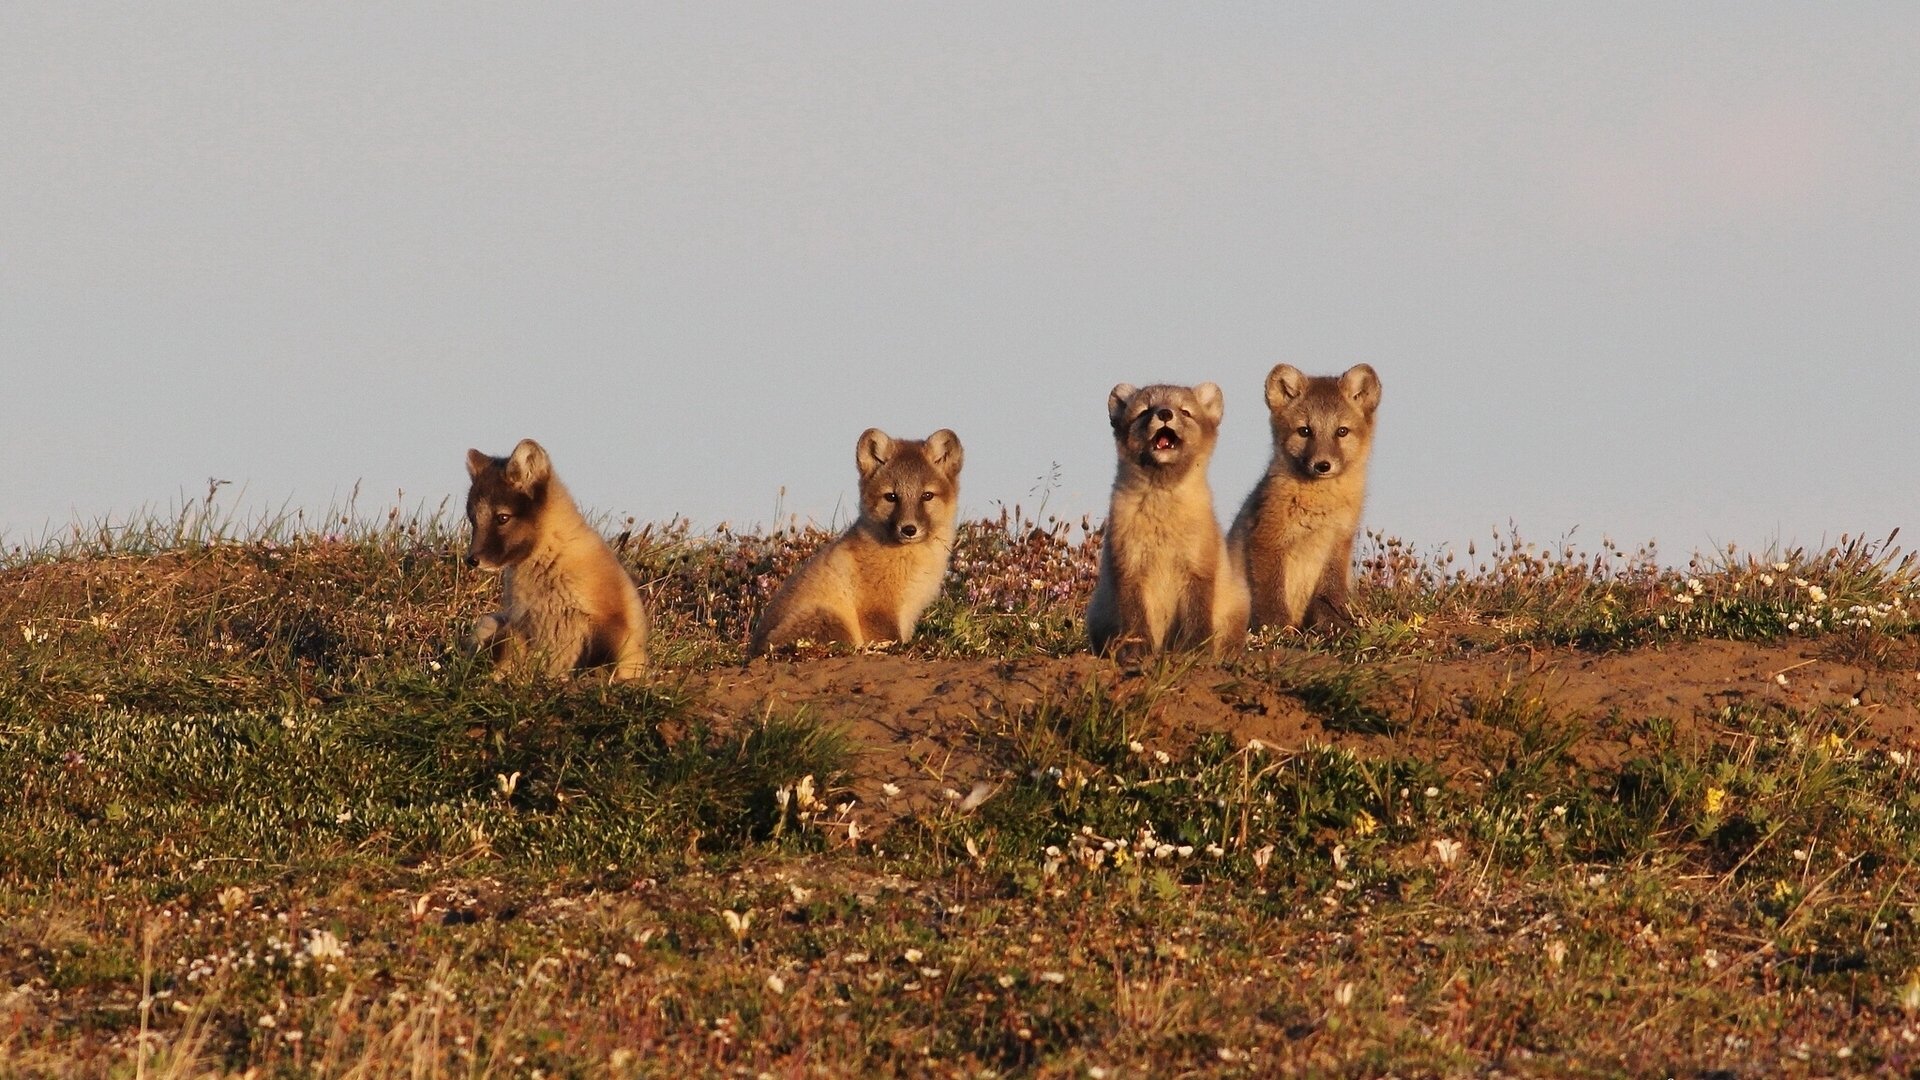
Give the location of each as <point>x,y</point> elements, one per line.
<point>902,579</point>
<point>1293,512</point>
<point>1159,536</point>
<point>1296,526</point>
<point>551,590</point>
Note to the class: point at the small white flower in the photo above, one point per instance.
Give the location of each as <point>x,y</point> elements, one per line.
<point>1262,856</point>
<point>1447,851</point>
<point>1135,746</point>
<point>1055,977</point>
<point>1766,579</point>
<point>1343,994</point>
<point>912,956</point>
<point>1161,756</point>
<point>1781,567</point>
<point>1695,586</point>
<point>803,793</point>
<point>623,959</point>
<point>890,790</point>
<point>1781,678</point>
<point>776,984</point>
<point>323,945</point>
<point>982,791</point>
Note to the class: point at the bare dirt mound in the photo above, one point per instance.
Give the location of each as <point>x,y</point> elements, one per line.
<point>924,726</point>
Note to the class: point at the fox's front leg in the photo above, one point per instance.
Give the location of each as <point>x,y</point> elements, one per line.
<point>1332,605</point>
<point>1137,635</point>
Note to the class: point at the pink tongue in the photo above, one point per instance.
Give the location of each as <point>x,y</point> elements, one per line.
<point>1163,443</point>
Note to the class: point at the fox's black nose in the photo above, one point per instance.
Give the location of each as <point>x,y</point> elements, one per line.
<point>1164,415</point>
<point>909,530</point>
<point>1323,466</point>
<point>471,561</point>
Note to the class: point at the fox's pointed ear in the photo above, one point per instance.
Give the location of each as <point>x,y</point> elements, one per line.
<point>1211,401</point>
<point>1284,383</point>
<point>477,463</point>
<point>1117,404</point>
<point>872,451</point>
<point>529,467</point>
<point>1362,387</point>
<point>943,449</point>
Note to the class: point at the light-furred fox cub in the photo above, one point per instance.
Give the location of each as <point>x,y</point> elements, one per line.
<point>1165,579</point>
<point>567,604</point>
<point>871,583</point>
<point>1295,533</point>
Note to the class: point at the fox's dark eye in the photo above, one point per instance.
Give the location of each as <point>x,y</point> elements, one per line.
<point>1188,413</point>
<point>502,519</point>
<point>891,497</point>
<point>1304,432</point>
<point>1342,433</point>
<point>926,496</point>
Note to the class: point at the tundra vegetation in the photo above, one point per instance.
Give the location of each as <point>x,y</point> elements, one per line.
<point>263,817</point>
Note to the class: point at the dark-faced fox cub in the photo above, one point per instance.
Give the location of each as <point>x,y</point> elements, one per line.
<point>566,603</point>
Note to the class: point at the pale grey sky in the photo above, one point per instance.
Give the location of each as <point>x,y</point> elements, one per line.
<point>1644,269</point>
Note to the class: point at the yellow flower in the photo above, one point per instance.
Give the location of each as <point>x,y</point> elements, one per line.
<point>1834,744</point>
<point>1364,824</point>
<point>1716,800</point>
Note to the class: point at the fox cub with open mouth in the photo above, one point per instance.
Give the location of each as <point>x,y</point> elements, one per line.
<point>872,582</point>
<point>1165,578</point>
<point>1295,532</point>
<point>566,602</point>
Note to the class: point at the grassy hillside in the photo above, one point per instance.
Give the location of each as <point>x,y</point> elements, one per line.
<point>1544,812</point>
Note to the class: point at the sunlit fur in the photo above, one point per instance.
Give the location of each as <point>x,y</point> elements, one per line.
<point>566,602</point>
<point>1165,580</point>
<point>871,583</point>
<point>1294,535</point>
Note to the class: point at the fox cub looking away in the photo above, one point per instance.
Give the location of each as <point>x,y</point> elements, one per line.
<point>872,582</point>
<point>1295,533</point>
<point>566,603</point>
<point>1165,580</point>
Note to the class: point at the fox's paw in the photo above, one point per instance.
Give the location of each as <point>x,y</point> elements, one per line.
<point>486,630</point>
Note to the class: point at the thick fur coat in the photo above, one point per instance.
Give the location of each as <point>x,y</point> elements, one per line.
<point>566,602</point>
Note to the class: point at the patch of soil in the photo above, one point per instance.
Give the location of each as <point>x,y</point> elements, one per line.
<point>923,725</point>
